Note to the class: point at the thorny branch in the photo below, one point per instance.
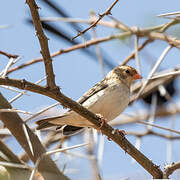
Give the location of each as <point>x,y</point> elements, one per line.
<point>146,32</point>
<point>107,12</point>
<point>152,33</point>
<point>153,169</point>
<point>43,40</point>
<point>169,169</point>
<point>9,55</point>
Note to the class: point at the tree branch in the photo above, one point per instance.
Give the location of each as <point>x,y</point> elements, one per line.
<point>14,123</point>
<point>146,32</point>
<point>169,169</point>
<point>132,55</point>
<point>153,169</point>
<point>43,40</point>
<point>107,12</point>
<point>9,55</point>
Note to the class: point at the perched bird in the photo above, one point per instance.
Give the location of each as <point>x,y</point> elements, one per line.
<point>108,98</point>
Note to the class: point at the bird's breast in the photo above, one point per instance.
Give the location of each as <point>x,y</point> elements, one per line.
<point>109,102</point>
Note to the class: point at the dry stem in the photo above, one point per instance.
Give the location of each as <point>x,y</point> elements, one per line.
<point>43,40</point>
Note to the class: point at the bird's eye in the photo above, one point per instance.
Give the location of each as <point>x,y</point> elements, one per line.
<point>127,71</point>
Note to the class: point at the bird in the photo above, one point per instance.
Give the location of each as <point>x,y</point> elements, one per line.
<point>108,99</point>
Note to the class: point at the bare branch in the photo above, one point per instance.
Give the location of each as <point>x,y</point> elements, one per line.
<point>43,40</point>
<point>15,124</point>
<point>107,12</point>
<point>9,55</point>
<point>152,133</point>
<point>169,169</point>
<point>146,32</point>
<point>157,64</point>
<point>52,152</point>
<point>98,51</point>
<point>153,169</point>
<point>72,48</point>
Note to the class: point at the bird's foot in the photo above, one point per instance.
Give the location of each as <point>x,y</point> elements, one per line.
<point>103,120</point>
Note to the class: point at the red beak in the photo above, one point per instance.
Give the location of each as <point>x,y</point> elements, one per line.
<point>137,76</point>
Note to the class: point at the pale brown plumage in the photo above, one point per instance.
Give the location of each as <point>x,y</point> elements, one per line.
<point>109,98</point>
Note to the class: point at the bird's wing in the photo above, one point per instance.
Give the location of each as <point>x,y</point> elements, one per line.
<point>45,123</point>
<point>98,87</point>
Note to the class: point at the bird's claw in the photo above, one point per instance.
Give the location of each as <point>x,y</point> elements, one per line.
<point>103,120</point>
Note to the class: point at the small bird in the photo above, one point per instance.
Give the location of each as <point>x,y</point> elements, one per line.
<point>108,99</point>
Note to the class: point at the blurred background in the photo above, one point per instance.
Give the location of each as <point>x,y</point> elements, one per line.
<point>79,70</point>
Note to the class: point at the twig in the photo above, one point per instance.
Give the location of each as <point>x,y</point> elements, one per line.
<point>160,127</point>
<point>41,111</point>
<point>169,24</point>
<point>152,133</point>
<point>169,14</point>
<point>7,154</point>
<point>119,24</point>
<point>4,72</point>
<point>132,55</point>
<point>100,150</point>
<point>169,169</point>
<point>157,64</point>
<point>152,111</point>
<point>141,33</point>
<point>165,74</point>
<point>12,61</point>
<point>162,112</point>
<point>43,40</point>
<point>15,110</point>
<point>52,152</point>
<point>28,138</point>
<point>24,92</point>
<point>8,55</point>
<point>70,49</point>
<point>152,86</point>
<point>111,24</point>
<point>14,165</point>
<point>137,55</point>
<point>47,167</point>
<point>93,159</point>
<point>107,12</point>
<point>12,89</point>
<point>169,150</point>
<point>98,51</point>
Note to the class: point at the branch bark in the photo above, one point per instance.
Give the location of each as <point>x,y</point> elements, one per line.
<point>153,169</point>
<point>141,33</point>
<point>43,40</point>
<point>107,12</point>
<point>169,169</point>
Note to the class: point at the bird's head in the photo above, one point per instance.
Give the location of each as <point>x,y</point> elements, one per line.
<point>127,73</point>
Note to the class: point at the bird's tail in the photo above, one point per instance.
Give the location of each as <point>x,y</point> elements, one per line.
<point>71,130</point>
<point>44,123</point>
<point>67,130</point>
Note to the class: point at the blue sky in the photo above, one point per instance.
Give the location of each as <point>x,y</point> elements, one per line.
<point>76,72</point>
